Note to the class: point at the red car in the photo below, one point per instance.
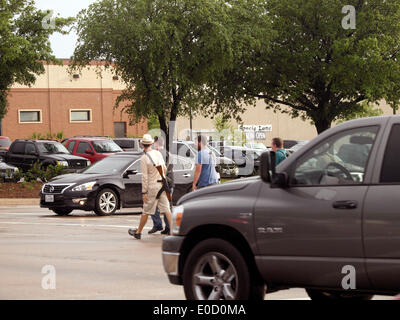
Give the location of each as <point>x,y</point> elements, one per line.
<point>5,143</point>
<point>91,148</point>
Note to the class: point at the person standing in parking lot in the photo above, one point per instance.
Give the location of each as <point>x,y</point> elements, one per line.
<point>153,192</point>
<point>205,173</point>
<point>157,223</point>
<point>277,147</point>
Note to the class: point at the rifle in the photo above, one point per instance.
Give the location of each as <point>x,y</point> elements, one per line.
<point>165,183</point>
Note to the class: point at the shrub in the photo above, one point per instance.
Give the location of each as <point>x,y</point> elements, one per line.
<point>53,171</point>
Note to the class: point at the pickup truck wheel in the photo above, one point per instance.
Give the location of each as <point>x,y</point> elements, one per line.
<point>62,211</point>
<point>106,202</point>
<point>318,295</point>
<point>216,270</point>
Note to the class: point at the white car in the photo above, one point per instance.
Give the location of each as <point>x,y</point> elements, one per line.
<point>7,172</point>
<point>256,145</point>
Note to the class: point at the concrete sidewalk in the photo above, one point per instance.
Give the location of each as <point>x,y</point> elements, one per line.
<point>19,202</point>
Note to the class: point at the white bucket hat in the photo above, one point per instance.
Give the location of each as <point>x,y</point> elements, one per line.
<point>147,139</point>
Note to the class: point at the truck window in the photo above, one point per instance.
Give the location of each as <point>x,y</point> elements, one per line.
<point>71,146</point>
<point>82,147</point>
<point>18,148</point>
<point>30,149</point>
<point>390,172</point>
<point>341,159</point>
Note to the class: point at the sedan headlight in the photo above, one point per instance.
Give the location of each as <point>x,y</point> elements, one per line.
<point>62,163</point>
<point>84,187</point>
<point>177,215</point>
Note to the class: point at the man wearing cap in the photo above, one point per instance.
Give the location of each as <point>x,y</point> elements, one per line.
<point>151,186</point>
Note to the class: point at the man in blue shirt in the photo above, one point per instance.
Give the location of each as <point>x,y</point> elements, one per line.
<point>205,173</point>
<point>277,147</point>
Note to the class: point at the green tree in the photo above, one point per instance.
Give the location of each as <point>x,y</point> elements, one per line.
<point>316,69</point>
<point>365,110</point>
<point>24,44</point>
<point>164,51</point>
<point>222,124</point>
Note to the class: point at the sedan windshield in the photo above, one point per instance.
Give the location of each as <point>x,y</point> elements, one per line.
<point>52,148</point>
<point>110,165</point>
<point>106,146</point>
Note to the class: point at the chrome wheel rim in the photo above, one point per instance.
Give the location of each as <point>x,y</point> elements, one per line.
<point>108,202</point>
<point>215,278</point>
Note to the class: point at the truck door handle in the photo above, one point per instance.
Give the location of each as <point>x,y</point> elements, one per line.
<point>348,204</point>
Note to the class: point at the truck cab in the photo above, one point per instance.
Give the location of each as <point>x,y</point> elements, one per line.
<point>325,219</point>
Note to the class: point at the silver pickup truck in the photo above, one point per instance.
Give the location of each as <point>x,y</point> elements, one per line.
<point>327,219</point>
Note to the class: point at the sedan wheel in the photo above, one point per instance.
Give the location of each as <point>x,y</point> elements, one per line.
<point>106,202</point>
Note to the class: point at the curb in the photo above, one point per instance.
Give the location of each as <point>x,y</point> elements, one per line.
<point>20,202</point>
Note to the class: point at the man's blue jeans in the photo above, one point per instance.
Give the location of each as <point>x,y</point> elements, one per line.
<point>157,223</point>
<point>157,220</point>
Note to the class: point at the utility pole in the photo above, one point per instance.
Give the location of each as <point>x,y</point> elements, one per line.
<point>191,124</point>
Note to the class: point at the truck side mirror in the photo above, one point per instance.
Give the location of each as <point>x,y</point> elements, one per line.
<point>268,171</point>
<point>265,167</point>
<point>88,151</point>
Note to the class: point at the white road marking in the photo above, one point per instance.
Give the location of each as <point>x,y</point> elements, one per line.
<point>72,225</point>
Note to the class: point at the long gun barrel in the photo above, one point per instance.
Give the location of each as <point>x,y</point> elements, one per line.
<point>165,183</point>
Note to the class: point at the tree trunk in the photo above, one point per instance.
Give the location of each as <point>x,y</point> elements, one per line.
<point>164,129</point>
<point>322,125</point>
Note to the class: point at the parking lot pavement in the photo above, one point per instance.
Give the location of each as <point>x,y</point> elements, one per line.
<point>94,258</point>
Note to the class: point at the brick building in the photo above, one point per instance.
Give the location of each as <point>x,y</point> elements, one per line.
<point>74,104</point>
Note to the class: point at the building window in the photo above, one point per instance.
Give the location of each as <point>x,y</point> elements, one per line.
<point>30,116</point>
<point>81,115</point>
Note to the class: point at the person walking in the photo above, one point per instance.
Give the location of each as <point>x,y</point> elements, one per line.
<point>153,190</point>
<point>157,223</point>
<point>205,173</point>
<point>277,147</point>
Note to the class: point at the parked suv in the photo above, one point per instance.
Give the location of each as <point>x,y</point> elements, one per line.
<point>327,214</point>
<point>24,153</point>
<point>92,148</point>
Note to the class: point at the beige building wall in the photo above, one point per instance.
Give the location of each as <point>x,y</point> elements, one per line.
<point>282,124</point>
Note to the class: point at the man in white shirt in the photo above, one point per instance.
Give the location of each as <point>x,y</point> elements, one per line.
<point>151,186</point>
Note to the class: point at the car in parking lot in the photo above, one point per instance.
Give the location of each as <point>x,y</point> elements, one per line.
<point>92,148</point>
<point>108,185</point>
<point>297,147</point>
<point>5,143</point>
<point>7,172</point>
<point>24,153</point>
<point>327,214</point>
<point>256,145</point>
<point>246,159</point>
<point>129,144</point>
<point>226,167</point>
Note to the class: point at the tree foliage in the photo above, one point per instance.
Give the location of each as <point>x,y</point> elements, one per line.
<point>24,44</point>
<point>164,50</point>
<point>314,68</point>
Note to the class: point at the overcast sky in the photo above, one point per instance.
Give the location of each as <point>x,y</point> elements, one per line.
<point>63,46</point>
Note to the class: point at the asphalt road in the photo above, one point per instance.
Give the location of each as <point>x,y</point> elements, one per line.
<point>93,258</point>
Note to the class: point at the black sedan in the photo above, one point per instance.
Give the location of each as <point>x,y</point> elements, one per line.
<point>108,185</point>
